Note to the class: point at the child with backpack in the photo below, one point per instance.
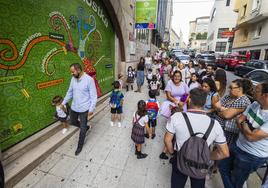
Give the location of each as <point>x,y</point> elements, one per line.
<point>130,78</point>
<point>154,85</point>
<point>62,112</point>
<point>140,122</point>
<point>152,107</point>
<point>116,103</point>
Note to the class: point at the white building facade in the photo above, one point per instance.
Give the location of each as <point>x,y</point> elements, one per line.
<point>222,18</point>
<point>198,33</point>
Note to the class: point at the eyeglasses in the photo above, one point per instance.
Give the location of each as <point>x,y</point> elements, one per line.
<point>233,87</point>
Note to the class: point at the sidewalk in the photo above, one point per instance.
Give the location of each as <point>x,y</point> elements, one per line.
<point>107,159</point>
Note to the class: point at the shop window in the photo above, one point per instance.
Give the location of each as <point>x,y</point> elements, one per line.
<point>221,46</point>
<point>266,55</point>
<point>255,54</point>
<point>220,30</point>
<point>228,2</point>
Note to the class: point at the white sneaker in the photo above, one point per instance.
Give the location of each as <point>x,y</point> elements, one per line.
<point>64,130</point>
<point>112,123</point>
<point>119,124</point>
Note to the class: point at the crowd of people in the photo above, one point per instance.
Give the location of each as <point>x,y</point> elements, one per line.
<point>238,139</point>
<point>207,128</point>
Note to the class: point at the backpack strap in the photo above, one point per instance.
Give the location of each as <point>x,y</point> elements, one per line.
<point>136,119</point>
<point>188,123</point>
<point>212,121</point>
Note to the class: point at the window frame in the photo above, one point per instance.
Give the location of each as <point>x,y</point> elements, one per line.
<point>221,47</point>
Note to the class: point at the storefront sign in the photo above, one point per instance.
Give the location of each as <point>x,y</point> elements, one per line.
<point>226,34</point>
<point>146,14</point>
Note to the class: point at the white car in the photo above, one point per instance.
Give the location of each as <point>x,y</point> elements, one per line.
<point>184,59</point>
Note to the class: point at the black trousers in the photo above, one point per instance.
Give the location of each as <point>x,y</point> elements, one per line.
<point>178,179</point>
<point>82,124</point>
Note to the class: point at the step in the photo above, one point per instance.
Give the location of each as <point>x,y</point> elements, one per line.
<point>25,156</point>
<point>23,165</point>
<point>19,149</point>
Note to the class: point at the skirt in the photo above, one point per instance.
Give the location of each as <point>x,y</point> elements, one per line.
<point>137,134</point>
<point>140,78</point>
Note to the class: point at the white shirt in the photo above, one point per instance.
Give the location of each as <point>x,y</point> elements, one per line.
<point>143,121</point>
<point>150,75</point>
<point>148,60</point>
<point>60,112</point>
<point>200,123</point>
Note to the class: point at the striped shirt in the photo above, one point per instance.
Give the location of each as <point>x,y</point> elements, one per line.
<point>257,119</point>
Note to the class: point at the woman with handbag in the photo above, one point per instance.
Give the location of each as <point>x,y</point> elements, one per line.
<point>140,122</point>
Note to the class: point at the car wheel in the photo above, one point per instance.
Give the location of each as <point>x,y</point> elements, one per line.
<point>226,67</point>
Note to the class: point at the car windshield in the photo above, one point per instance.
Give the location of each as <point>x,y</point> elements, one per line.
<point>209,57</point>
<point>240,58</point>
<point>184,57</point>
<point>177,53</point>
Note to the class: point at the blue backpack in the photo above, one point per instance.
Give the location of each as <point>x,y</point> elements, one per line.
<point>115,99</point>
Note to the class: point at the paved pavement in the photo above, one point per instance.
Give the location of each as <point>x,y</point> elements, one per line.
<point>107,159</point>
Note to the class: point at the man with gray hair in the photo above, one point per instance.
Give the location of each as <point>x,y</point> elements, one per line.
<point>82,91</point>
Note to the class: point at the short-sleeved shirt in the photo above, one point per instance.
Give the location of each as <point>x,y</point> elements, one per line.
<point>143,121</point>
<point>200,123</point>
<point>177,91</point>
<point>60,112</point>
<point>194,85</point>
<point>258,118</point>
<point>228,102</point>
<point>208,104</point>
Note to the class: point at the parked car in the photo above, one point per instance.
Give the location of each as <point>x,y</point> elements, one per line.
<point>250,66</point>
<point>257,76</point>
<point>206,58</point>
<point>229,62</point>
<point>183,58</point>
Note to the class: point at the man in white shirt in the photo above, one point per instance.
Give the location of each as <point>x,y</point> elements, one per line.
<point>82,91</point>
<point>250,151</point>
<point>177,126</point>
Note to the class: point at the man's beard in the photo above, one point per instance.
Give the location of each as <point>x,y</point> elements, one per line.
<point>76,76</point>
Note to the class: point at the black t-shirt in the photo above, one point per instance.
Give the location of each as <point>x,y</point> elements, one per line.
<point>140,67</point>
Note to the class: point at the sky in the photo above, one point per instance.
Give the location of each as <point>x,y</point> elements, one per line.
<point>185,11</point>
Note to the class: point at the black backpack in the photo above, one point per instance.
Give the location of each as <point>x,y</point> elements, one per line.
<point>193,158</point>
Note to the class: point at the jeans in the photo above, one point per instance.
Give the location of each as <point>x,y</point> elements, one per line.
<point>236,169</point>
<point>178,179</point>
<point>83,116</point>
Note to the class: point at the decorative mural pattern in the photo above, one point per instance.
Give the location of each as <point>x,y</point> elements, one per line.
<point>38,42</point>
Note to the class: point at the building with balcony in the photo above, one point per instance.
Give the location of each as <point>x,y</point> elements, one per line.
<point>222,19</point>
<point>252,28</point>
<point>198,33</point>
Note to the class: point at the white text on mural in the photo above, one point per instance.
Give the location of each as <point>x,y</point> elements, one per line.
<point>98,10</point>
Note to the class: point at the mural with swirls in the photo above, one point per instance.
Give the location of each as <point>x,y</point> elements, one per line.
<point>38,42</point>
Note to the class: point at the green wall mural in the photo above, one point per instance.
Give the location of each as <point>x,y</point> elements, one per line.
<point>39,39</point>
